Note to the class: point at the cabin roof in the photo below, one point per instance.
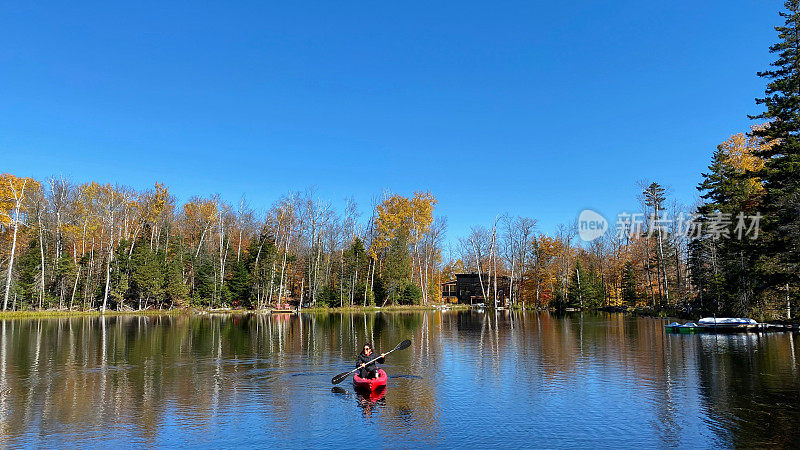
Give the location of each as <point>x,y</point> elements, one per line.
<point>475,274</point>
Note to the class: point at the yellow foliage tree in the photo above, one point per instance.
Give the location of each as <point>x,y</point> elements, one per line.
<point>200,215</point>
<point>741,153</point>
<point>14,193</point>
<point>413,216</point>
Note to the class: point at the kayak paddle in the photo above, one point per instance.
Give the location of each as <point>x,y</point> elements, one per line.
<point>401,346</point>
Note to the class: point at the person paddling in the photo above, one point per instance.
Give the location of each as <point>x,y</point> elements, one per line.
<point>368,370</point>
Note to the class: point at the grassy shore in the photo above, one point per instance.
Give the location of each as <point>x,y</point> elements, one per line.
<point>49,313</point>
<point>390,308</point>
<point>53,313</point>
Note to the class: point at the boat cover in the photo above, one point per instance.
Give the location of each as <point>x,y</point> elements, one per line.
<point>726,321</point>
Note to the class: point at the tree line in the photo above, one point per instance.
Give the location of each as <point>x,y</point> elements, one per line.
<point>97,246</point>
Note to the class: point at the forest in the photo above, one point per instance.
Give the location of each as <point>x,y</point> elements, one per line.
<point>100,246</point>
<point>93,246</point>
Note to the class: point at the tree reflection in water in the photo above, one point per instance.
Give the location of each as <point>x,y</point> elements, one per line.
<point>577,379</point>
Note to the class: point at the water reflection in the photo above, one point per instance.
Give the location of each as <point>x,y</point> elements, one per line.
<point>469,378</point>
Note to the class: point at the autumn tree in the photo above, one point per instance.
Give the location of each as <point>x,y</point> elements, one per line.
<point>15,192</point>
<point>413,219</point>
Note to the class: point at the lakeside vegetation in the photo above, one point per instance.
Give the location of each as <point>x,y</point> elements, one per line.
<point>54,313</point>
<point>83,247</point>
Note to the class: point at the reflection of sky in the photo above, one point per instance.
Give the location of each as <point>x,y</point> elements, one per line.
<point>468,380</point>
<point>595,401</point>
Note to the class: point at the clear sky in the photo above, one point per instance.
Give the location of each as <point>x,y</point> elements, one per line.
<point>535,108</point>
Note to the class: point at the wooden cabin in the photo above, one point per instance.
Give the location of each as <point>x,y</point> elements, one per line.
<point>468,289</point>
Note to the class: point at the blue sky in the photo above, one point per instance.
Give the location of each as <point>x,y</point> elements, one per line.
<point>538,109</point>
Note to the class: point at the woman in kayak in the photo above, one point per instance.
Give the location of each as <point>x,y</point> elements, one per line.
<point>368,370</point>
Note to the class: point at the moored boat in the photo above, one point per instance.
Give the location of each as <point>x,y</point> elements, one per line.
<point>728,322</point>
<point>713,325</point>
<point>688,327</point>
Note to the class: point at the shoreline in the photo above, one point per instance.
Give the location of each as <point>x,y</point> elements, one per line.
<point>52,313</point>
<point>55,314</point>
<point>48,313</point>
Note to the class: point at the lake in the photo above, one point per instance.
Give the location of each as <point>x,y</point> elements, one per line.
<point>469,379</point>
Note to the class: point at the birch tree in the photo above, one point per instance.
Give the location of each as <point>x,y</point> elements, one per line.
<point>14,192</point>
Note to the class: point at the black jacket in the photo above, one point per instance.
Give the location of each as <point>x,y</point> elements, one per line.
<point>362,358</point>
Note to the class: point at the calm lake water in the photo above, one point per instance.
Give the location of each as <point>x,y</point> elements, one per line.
<point>469,379</point>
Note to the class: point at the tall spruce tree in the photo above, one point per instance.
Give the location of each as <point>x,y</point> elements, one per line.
<point>397,269</point>
<point>147,275</point>
<point>780,264</point>
<point>629,296</point>
<point>723,264</point>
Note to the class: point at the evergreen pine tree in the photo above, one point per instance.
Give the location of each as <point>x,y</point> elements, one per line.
<point>397,269</point>
<point>28,277</point>
<point>629,296</point>
<point>239,285</point>
<point>723,266</point>
<point>174,287</point>
<point>147,275</point>
<point>781,173</point>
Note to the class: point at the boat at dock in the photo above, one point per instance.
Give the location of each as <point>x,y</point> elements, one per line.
<point>717,325</point>
<point>686,328</point>
<point>728,323</point>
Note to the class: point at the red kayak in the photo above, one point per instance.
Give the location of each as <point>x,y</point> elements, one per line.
<point>370,383</point>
